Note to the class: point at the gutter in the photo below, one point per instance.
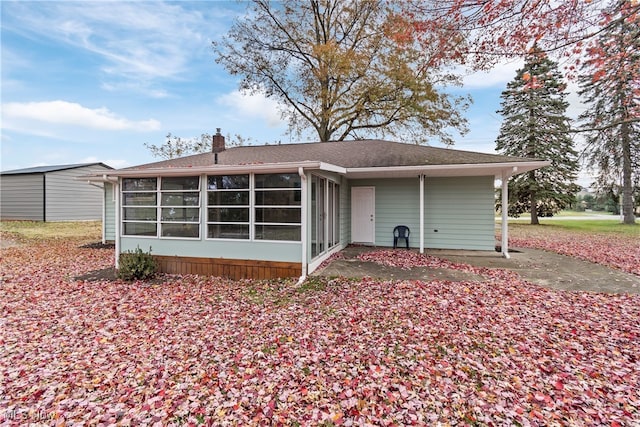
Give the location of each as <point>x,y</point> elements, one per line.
<point>217,169</point>
<point>434,170</point>
<point>303,226</point>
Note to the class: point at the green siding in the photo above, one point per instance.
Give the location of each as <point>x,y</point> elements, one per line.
<point>462,211</point>
<point>257,250</point>
<point>109,213</point>
<point>460,208</point>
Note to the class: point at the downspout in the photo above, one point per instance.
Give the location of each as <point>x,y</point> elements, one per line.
<point>303,226</point>
<point>421,214</point>
<point>505,217</point>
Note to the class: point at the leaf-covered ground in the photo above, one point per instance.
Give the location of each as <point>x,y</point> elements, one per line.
<point>617,251</point>
<point>207,351</point>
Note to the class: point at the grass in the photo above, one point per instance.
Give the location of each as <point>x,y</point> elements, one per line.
<point>587,226</point>
<point>33,230</point>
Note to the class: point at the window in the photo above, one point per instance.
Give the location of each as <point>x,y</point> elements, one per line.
<point>277,207</point>
<point>228,205</point>
<point>140,207</point>
<point>180,207</point>
<point>325,215</point>
<point>174,206</point>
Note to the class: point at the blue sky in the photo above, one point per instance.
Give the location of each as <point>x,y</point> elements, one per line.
<point>94,81</point>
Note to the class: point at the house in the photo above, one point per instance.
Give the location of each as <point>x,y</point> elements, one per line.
<point>281,210</point>
<point>52,193</point>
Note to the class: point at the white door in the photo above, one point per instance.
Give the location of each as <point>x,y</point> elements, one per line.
<point>363,209</point>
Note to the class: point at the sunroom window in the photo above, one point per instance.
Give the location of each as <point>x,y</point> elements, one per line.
<point>180,206</point>
<point>140,207</point>
<point>228,204</point>
<point>171,208</point>
<point>277,212</point>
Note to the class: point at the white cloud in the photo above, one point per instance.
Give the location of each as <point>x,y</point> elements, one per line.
<point>31,116</point>
<point>254,106</point>
<point>138,41</point>
<point>498,76</point>
<point>114,163</point>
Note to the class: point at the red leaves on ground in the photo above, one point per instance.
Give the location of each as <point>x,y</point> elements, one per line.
<point>197,350</point>
<point>614,251</point>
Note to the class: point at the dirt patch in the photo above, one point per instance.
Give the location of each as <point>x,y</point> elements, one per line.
<point>99,245</point>
<point>6,243</point>
<point>537,266</point>
<point>109,274</point>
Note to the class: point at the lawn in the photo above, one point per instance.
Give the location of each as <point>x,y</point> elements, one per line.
<point>187,350</point>
<point>601,241</point>
<point>35,230</point>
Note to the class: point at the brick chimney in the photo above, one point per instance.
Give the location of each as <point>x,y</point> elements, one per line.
<point>218,142</point>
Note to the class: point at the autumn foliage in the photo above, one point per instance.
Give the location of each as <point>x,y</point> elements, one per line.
<point>190,350</point>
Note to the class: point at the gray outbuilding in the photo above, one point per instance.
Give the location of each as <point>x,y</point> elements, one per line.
<point>52,193</point>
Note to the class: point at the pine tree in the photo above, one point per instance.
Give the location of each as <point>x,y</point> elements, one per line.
<point>535,125</point>
<point>610,86</point>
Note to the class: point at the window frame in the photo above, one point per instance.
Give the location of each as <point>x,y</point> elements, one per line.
<point>252,207</point>
<point>123,207</point>
<point>159,207</point>
<point>208,206</point>
<point>295,190</point>
<point>162,206</point>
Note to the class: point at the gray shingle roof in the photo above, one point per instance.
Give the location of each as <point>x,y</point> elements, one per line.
<point>347,154</point>
<point>47,169</point>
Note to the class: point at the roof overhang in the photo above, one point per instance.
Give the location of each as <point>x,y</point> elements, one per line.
<point>481,169</point>
<point>215,169</point>
<point>498,170</point>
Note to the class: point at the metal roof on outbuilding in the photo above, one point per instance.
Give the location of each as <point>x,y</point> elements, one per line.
<point>53,168</point>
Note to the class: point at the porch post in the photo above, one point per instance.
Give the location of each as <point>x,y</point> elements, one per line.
<point>505,216</point>
<point>304,209</point>
<point>421,214</point>
<point>118,226</point>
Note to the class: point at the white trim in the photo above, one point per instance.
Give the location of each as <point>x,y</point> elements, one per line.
<point>421,214</point>
<point>315,263</point>
<point>285,167</point>
<point>104,214</point>
<point>472,169</point>
<point>304,224</point>
<point>117,225</point>
<point>505,217</point>
<point>373,218</point>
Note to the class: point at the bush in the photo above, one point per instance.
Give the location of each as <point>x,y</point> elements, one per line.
<point>137,265</point>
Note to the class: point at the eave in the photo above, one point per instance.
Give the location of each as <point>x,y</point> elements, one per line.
<point>480,169</point>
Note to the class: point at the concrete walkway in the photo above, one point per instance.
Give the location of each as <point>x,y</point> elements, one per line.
<point>537,266</point>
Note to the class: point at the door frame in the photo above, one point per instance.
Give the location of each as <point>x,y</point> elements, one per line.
<point>373,213</point>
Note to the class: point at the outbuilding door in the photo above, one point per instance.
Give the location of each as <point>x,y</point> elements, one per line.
<point>363,208</point>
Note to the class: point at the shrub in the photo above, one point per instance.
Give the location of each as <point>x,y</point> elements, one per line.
<point>137,265</point>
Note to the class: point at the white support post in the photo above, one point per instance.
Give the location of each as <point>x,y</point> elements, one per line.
<point>118,226</point>
<point>304,209</point>
<point>421,214</point>
<point>505,216</point>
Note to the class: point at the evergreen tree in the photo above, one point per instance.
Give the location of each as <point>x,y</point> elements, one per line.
<point>610,86</point>
<point>535,125</point>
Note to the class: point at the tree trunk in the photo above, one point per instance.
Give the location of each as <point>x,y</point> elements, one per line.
<point>534,209</point>
<point>627,190</point>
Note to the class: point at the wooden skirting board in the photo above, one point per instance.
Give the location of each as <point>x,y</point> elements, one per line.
<point>231,268</point>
